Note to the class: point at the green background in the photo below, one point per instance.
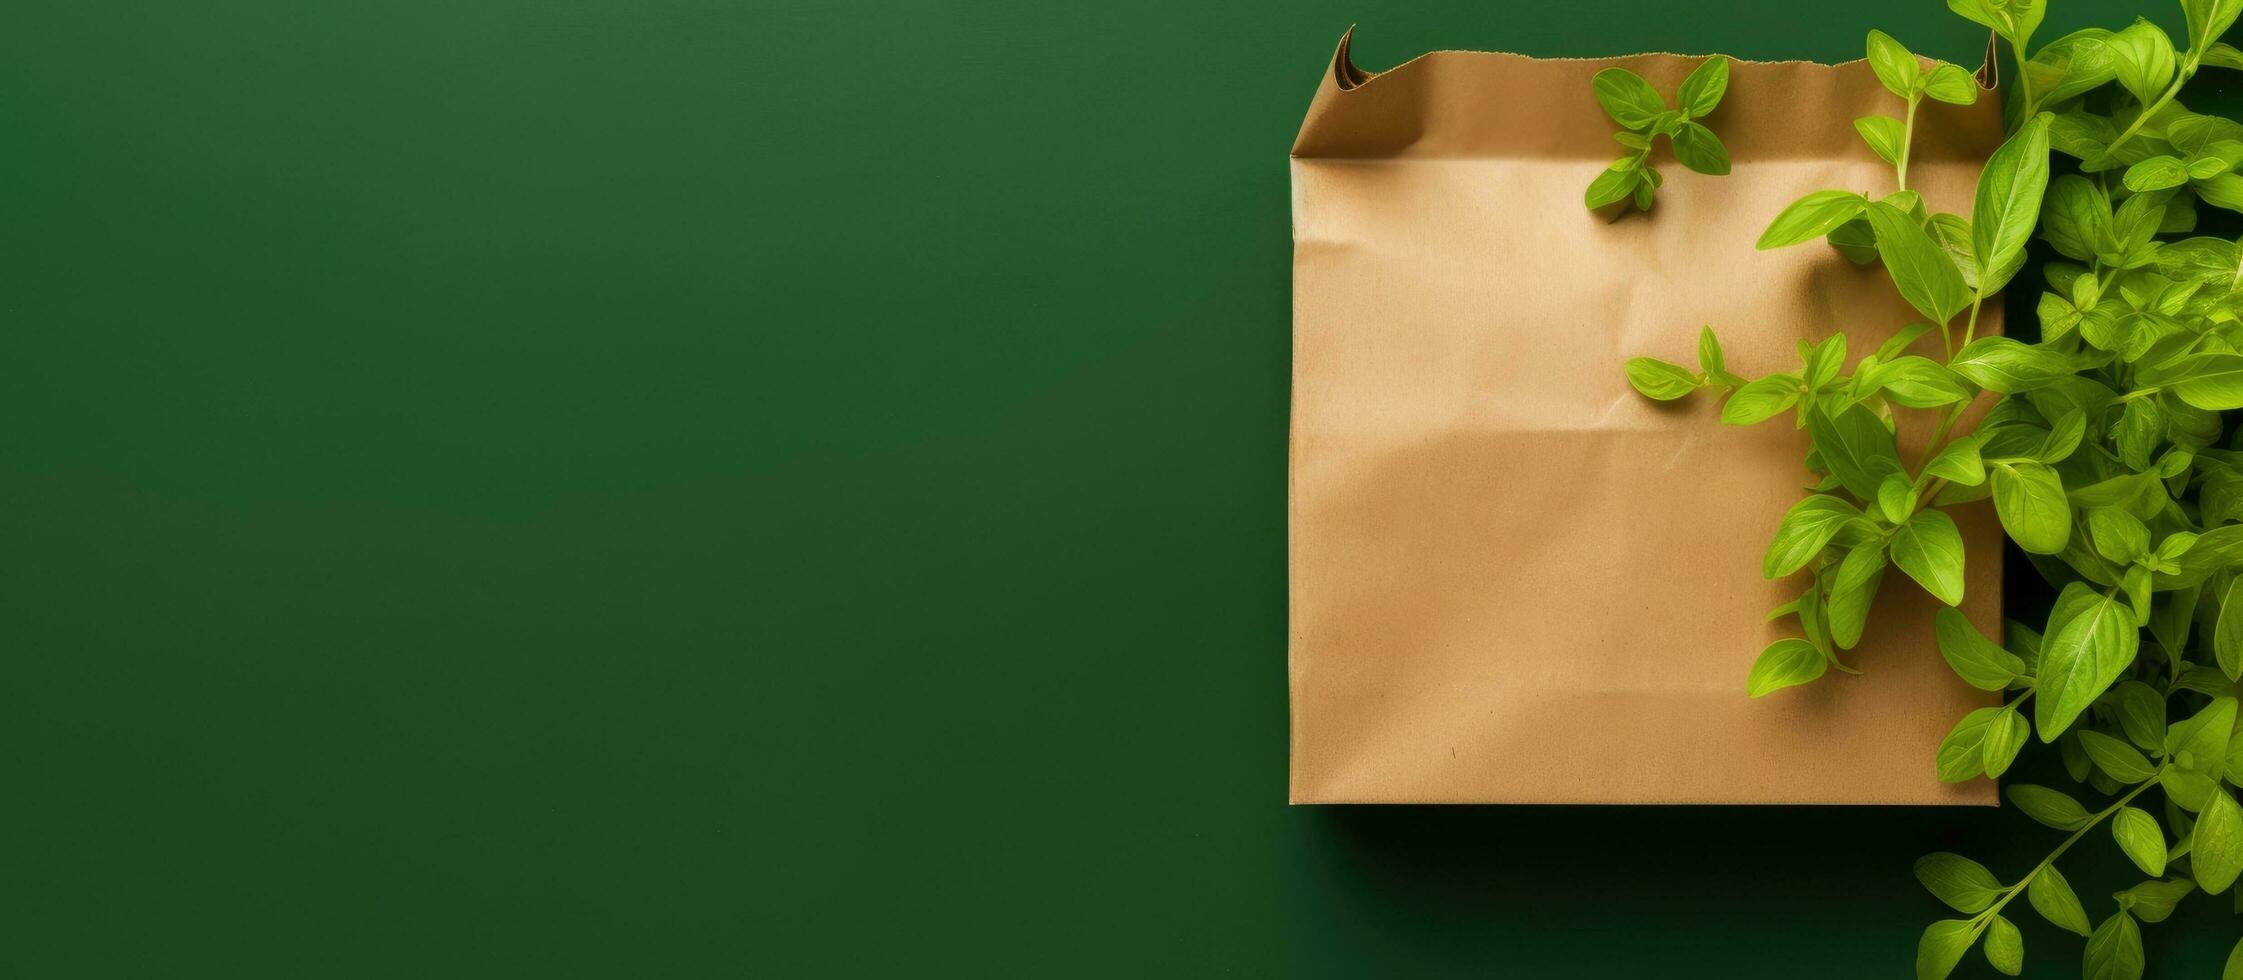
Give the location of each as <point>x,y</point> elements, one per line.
<point>689,488</point>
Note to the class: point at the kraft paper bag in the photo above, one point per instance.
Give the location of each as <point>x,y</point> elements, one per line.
<point>1513,579</point>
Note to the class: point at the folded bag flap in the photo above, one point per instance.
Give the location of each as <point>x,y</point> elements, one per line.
<point>1546,108</point>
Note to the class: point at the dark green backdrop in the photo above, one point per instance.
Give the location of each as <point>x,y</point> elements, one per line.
<point>689,488</point>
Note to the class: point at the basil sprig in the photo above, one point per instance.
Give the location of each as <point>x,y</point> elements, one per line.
<point>1637,107</point>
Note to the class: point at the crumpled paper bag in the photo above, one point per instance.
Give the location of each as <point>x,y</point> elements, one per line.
<point>1514,580</point>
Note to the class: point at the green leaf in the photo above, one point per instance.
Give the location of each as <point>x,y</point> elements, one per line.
<point>2014,20</point>
<point>2004,736</point>
<point>2135,583</point>
<point>2234,968</point>
<point>2117,759</point>
<point>1964,884</point>
<point>1901,339</point>
<point>1959,462</point>
<point>2049,807</point>
<point>1894,65</point>
<point>2132,227</point>
<point>2187,790</point>
<point>1975,659</point>
<point>2223,56</point>
<point>2080,658</point>
<point>1884,134</point>
<point>2083,134</point>
<point>2203,737</point>
<point>1709,353</point>
<point>2070,65</point>
<point>1853,590</point>
<point>1855,240</point>
<point>2139,427</point>
<point>2192,134</point>
<point>1962,754</point>
<point>1953,235</point>
<point>1951,84</point>
<point>2154,901</point>
<point>1812,217</point>
<point>2054,899</point>
<point>1824,361</point>
<point>2008,204</point>
<point>2217,854</point>
<point>1761,400</point>
<point>2141,838</point>
<point>2155,174</point>
<point>1896,498</point>
<point>2207,20</point>
<point>2177,543</point>
<point>1611,187</point>
<point>2227,633</point>
<point>2076,217</point>
<point>2221,191</point>
<point>1700,150</point>
<point>1856,447</point>
<point>2215,550</point>
<point>1917,382</point>
<point>1942,946</point>
<point>1806,529</point>
<point>2063,437</point>
<point>2005,946</point>
<point>2118,535</point>
<point>1701,92</point>
<point>2029,498</point>
<point>2141,713</point>
<point>2143,56</point>
<point>1921,270</point>
<point>2074,758</point>
<point>2008,366</point>
<point>2114,951</point>
<point>2207,166</point>
<point>1785,663</point>
<point>1930,549</point>
<point>1658,379</point>
<point>2213,382</point>
<point>1627,98</point>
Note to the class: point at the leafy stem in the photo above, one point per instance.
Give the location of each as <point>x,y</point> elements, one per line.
<point>2116,805</point>
<point>2179,78</point>
<point>1939,442</point>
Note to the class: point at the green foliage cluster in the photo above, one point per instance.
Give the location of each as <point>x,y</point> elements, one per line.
<point>2102,446</point>
<point>1637,107</point>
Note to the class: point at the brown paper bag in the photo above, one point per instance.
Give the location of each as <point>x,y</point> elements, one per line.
<point>1515,580</point>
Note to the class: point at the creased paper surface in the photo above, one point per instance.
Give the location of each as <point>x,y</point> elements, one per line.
<point>1512,578</point>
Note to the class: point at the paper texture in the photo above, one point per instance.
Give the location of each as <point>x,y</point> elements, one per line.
<point>1512,578</point>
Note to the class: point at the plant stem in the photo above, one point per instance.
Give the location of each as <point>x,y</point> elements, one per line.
<point>2115,806</point>
<point>1907,138</point>
<point>1970,330</point>
<point>2024,84</point>
<point>1939,435</point>
<point>2147,111</point>
<point>1938,442</point>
